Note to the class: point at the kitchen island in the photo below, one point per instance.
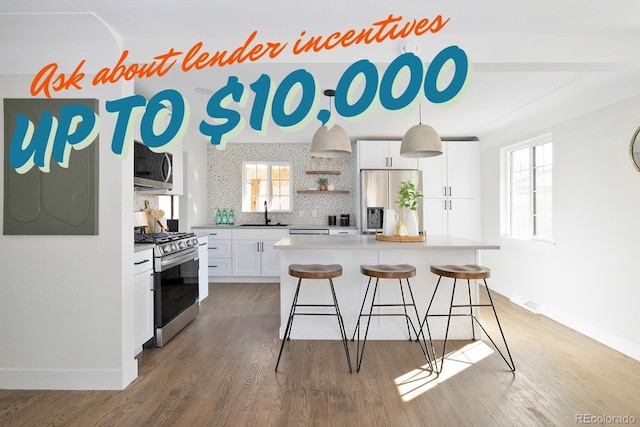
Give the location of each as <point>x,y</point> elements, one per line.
<point>353,251</point>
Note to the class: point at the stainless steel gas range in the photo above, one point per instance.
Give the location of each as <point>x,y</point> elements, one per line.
<point>175,268</point>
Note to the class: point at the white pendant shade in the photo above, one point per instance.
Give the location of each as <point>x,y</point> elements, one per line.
<point>421,141</point>
<point>332,142</point>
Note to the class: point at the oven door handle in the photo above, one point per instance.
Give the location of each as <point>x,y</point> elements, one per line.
<point>173,262</point>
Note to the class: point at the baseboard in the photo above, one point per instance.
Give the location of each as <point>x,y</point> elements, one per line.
<point>67,379</point>
<point>616,342</point>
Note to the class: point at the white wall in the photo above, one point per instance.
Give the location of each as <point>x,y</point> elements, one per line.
<point>66,302</point>
<point>588,278</point>
<point>193,202</point>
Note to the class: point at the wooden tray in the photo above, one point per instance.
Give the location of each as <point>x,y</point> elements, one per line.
<point>385,238</point>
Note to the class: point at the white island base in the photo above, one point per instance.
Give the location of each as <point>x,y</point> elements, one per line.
<point>353,251</point>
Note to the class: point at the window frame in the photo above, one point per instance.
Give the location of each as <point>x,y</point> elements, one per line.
<point>506,193</point>
<point>246,198</point>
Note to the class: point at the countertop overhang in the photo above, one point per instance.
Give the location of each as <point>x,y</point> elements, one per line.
<point>370,242</point>
<point>270,227</point>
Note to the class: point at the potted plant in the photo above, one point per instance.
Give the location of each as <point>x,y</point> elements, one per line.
<point>408,202</point>
<point>322,183</point>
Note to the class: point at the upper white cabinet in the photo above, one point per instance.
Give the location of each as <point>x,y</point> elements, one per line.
<point>456,173</point>
<point>373,154</point>
<point>451,186</point>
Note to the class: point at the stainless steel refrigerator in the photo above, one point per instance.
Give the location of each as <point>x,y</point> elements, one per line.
<point>379,190</point>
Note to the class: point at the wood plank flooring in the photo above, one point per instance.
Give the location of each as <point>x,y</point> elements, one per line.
<point>220,372</point>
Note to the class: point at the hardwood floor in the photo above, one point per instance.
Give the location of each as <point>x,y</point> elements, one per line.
<point>220,372</point>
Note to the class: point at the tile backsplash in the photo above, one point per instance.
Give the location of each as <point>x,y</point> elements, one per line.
<point>224,182</point>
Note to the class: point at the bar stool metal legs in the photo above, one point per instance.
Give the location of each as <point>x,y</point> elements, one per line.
<point>315,271</point>
<point>391,272</point>
<point>467,272</point>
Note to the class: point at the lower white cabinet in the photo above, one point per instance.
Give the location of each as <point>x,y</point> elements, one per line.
<point>203,267</point>
<point>453,217</point>
<point>142,298</point>
<point>253,253</point>
<point>219,255</point>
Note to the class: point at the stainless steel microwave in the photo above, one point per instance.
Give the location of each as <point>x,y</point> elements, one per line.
<point>151,170</point>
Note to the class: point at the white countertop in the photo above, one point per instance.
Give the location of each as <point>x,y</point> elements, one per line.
<point>370,242</point>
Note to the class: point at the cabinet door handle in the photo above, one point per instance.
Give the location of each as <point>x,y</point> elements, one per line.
<point>141,262</point>
<point>445,205</point>
<point>444,191</point>
<point>449,204</point>
<point>213,234</point>
<point>258,246</point>
<point>390,162</point>
<point>261,246</point>
<point>449,191</point>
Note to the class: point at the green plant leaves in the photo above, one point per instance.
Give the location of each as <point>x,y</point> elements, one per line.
<point>408,196</point>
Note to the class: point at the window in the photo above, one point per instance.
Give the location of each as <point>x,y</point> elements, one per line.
<point>170,205</point>
<point>528,207</point>
<point>266,182</point>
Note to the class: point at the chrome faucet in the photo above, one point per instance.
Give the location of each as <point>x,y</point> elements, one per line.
<point>266,214</point>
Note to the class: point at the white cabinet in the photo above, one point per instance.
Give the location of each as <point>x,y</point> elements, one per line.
<point>203,267</point>
<point>373,154</point>
<point>253,253</point>
<point>219,252</point>
<point>451,186</point>
<point>142,298</point>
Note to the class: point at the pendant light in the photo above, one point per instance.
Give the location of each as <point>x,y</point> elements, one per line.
<point>421,141</point>
<point>332,142</point>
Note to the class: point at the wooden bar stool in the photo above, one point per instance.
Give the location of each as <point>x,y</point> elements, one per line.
<point>468,272</point>
<point>383,271</point>
<point>315,271</point>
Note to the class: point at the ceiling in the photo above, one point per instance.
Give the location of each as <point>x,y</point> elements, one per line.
<point>533,63</point>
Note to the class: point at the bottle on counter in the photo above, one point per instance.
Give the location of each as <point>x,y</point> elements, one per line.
<point>218,217</point>
<point>232,218</point>
<point>224,217</point>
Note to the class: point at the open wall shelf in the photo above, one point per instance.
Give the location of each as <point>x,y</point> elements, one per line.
<point>322,172</point>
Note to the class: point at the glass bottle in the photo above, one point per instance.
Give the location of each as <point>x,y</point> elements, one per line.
<point>232,219</point>
<point>218,217</point>
<point>224,217</point>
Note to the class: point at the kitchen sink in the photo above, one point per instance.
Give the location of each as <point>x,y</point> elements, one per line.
<point>265,225</point>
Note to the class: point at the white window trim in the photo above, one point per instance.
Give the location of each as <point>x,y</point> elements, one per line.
<point>505,182</point>
<point>269,165</point>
